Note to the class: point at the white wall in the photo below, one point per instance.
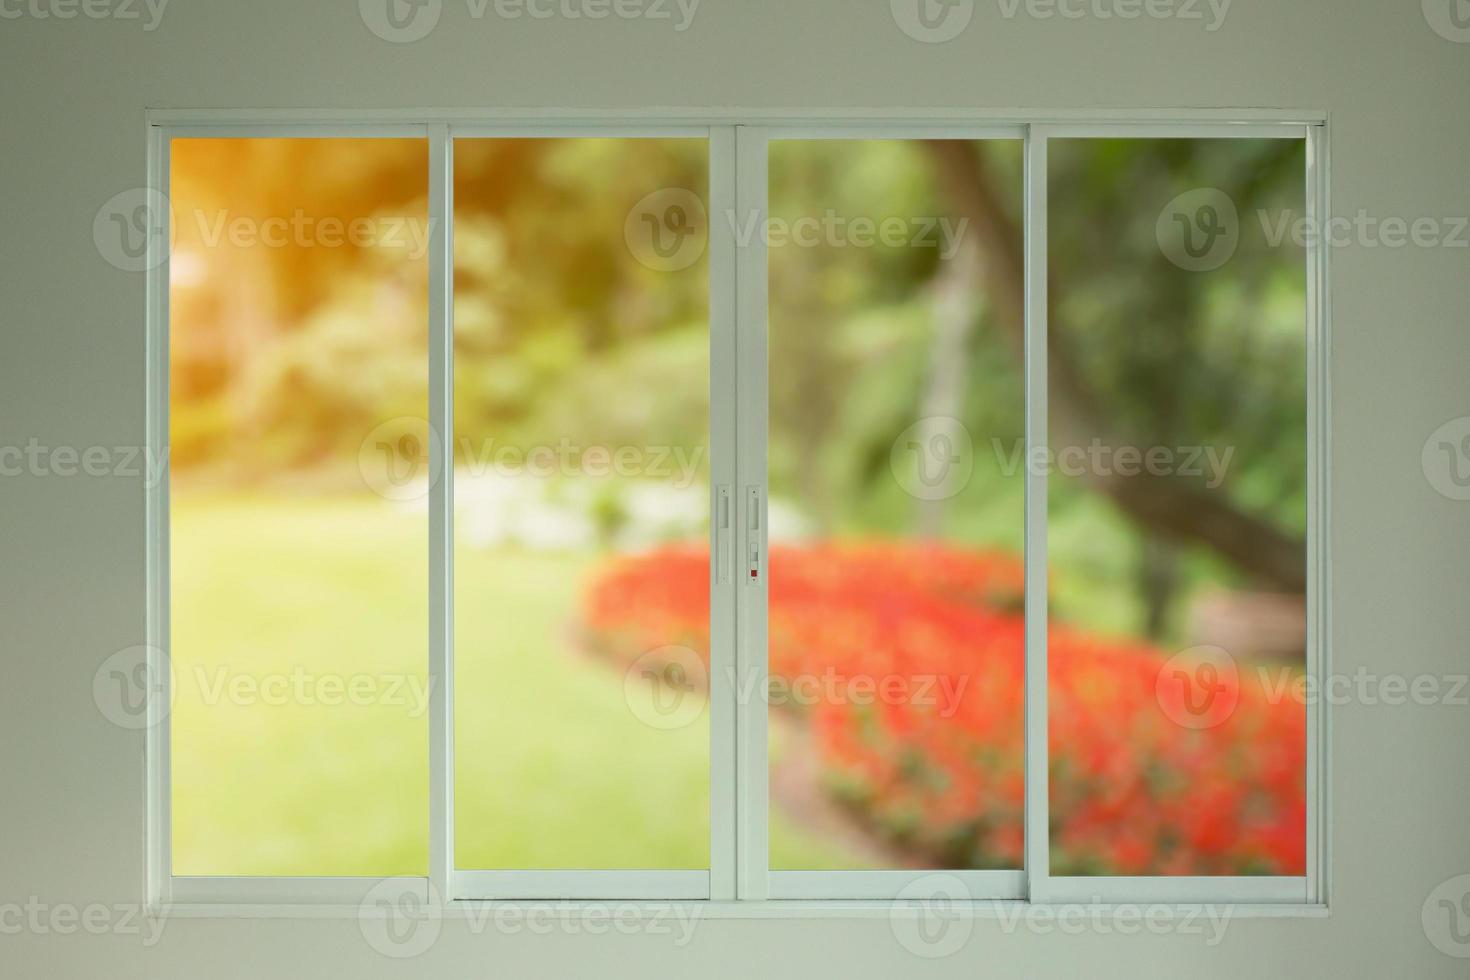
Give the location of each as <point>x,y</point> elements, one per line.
<point>71,372</point>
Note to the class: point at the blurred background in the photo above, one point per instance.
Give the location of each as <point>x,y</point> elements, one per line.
<point>299,474</point>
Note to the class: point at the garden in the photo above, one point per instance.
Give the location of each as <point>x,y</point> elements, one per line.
<point>897,603</point>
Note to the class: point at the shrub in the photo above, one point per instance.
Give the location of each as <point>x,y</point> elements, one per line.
<point>934,761</point>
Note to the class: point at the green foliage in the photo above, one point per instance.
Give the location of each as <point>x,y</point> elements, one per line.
<point>295,354</point>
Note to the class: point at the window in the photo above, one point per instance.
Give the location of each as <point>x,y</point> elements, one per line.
<point>896,634</point>
<point>299,564</point>
<point>581,447</point>
<point>725,512</point>
<point>1177,509</point>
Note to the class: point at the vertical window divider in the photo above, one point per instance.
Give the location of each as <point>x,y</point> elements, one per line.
<point>158,865</point>
<point>1319,410</point>
<point>441,513</point>
<point>751,383</point>
<point>723,687</point>
<point>1037,836</point>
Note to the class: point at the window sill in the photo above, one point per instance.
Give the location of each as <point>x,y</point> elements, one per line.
<point>589,910</point>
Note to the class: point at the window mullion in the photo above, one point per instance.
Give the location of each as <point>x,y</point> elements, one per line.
<point>724,791</point>
<point>752,765</point>
<point>441,512</point>
<point>1038,839</point>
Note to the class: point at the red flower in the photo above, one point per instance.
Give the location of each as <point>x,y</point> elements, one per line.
<point>915,653</point>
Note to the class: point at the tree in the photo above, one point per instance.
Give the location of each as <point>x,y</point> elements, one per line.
<point>1181,509</point>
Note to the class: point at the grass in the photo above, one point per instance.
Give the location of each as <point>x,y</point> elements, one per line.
<point>278,595</point>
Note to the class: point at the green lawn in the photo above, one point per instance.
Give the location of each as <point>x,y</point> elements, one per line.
<point>552,768</point>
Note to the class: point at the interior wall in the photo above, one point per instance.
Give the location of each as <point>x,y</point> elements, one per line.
<point>72,373</point>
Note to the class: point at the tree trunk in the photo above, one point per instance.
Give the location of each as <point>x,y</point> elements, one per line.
<point>953,297</point>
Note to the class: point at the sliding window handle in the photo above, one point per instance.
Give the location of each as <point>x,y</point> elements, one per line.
<point>723,526</point>
<point>753,535</point>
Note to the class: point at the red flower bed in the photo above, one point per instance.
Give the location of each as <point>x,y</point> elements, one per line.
<point>905,664</point>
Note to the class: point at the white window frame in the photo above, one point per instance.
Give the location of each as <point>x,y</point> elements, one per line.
<point>739,882</point>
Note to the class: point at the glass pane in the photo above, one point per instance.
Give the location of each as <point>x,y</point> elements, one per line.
<point>581,408</point>
<point>1177,399</point>
<point>897,504</point>
<point>298,348</point>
